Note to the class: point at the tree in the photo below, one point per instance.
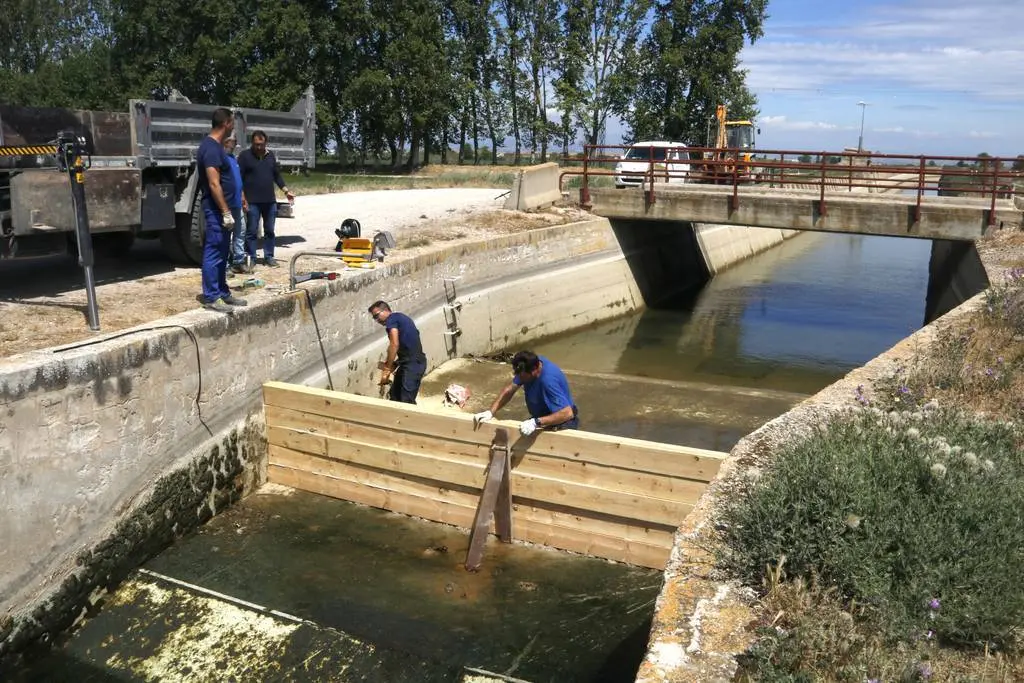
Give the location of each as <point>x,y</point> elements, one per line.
<point>599,36</point>
<point>1018,163</point>
<point>541,44</point>
<point>691,64</point>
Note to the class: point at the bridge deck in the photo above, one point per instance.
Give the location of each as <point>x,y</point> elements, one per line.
<point>953,218</point>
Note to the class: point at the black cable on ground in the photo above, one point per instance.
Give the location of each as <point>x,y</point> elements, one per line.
<point>153,328</point>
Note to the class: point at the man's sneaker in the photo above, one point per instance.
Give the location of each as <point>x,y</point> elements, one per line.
<point>232,300</point>
<point>219,305</point>
<point>239,268</point>
<point>271,262</point>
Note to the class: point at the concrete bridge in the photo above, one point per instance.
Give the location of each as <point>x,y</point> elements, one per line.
<point>853,193</point>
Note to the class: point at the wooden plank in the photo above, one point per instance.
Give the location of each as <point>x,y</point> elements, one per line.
<point>444,471</point>
<point>554,519</point>
<point>497,474</point>
<point>304,441</point>
<point>602,476</point>
<point>643,456</point>
<point>574,540</point>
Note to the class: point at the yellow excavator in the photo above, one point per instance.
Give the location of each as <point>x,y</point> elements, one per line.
<point>734,138</point>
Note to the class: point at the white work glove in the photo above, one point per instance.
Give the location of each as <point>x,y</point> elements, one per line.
<point>482,417</point>
<point>229,220</point>
<point>527,427</point>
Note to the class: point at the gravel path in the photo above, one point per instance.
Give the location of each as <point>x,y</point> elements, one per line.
<point>399,211</point>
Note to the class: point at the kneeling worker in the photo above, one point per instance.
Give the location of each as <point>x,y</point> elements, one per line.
<point>546,391</point>
<point>405,358</point>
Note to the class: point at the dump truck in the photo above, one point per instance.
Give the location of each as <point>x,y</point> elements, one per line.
<point>140,179</point>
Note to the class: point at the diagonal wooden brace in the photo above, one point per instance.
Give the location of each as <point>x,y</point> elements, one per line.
<point>495,499</point>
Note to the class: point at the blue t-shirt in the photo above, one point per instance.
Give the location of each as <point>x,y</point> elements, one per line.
<point>235,199</point>
<point>547,394</point>
<point>410,351</point>
<point>211,154</point>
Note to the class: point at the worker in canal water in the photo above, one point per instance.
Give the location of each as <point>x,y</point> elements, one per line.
<point>547,394</point>
<point>405,363</point>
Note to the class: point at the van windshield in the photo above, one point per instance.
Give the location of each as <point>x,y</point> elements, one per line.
<point>644,153</point>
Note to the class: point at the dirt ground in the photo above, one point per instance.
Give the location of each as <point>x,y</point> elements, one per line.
<point>43,302</point>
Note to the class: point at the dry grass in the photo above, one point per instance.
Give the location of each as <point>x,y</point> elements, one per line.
<point>429,177</point>
<point>805,627</point>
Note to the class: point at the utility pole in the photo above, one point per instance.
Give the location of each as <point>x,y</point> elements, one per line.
<point>860,141</point>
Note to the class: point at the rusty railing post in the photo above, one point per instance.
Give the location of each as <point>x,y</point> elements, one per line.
<point>920,191</point>
<point>996,163</point>
<point>650,171</point>
<point>734,203</point>
<point>585,183</point>
<point>821,202</point>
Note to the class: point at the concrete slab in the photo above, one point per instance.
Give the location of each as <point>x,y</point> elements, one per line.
<point>893,215</point>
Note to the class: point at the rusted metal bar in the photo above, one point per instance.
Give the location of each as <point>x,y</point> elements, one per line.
<point>996,163</point>
<point>734,202</point>
<point>650,172</point>
<point>585,183</point>
<point>495,499</point>
<point>821,202</point>
<point>920,191</point>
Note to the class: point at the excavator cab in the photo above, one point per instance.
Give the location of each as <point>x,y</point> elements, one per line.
<point>733,139</point>
<point>739,135</point>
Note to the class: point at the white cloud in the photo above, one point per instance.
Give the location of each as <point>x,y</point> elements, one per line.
<point>981,134</point>
<point>782,122</point>
<point>940,45</point>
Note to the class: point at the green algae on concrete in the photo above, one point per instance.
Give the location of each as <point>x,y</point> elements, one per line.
<point>377,597</point>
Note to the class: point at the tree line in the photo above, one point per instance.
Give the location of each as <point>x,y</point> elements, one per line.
<point>397,77</point>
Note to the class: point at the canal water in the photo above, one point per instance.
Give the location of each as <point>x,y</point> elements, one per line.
<point>753,342</point>
<point>292,586</point>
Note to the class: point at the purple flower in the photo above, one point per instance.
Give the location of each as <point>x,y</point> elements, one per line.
<point>934,604</point>
<point>989,372</point>
<point>925,670</point>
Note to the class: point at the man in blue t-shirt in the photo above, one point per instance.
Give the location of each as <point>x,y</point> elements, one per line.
<point>237,205</point>
<point>405,363</point>
<point>216,185</point>
<point>547,394</point>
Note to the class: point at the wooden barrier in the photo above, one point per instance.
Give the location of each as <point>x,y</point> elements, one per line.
<point>609,497</point>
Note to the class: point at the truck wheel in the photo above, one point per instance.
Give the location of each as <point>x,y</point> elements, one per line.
<point>184,244</point>
<point>191,231</point>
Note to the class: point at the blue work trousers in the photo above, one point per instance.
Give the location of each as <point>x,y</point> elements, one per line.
<point>268,212</point>
<point>238,236</point>
<point>216,251</point>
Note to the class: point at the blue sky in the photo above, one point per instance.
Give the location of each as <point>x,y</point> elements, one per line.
<point>939,76</point>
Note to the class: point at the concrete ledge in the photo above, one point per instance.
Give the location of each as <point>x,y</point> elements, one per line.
<point>534,187</point>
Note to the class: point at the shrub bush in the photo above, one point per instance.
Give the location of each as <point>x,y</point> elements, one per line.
<point>918,516</point>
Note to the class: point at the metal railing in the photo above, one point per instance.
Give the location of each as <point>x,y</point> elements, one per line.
<point>979,177</point>
<point>295,257</point>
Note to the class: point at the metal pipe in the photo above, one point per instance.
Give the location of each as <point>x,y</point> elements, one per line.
<point>295,257</point>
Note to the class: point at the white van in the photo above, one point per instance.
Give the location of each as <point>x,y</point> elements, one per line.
<point>636,163</point>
